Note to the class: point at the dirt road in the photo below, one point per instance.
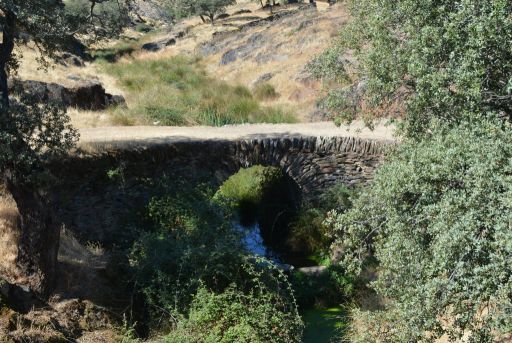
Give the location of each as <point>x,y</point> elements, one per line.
<point>110,137</point>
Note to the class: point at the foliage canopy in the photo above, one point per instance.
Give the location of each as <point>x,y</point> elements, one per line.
<point>421,59</point>
<point>437,219</point>
<point>202,8</point>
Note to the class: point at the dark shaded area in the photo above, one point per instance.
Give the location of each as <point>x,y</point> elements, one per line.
<point>279,206</point>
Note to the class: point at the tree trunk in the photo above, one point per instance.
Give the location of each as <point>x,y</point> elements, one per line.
<point>39,241</point>
<point>6,48</point>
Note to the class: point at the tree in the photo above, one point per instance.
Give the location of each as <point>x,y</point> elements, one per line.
<point>421,60</point>
<point>31,133</point>
<point>437,220</point>
<point>211,8</point>
<point>202,8</point>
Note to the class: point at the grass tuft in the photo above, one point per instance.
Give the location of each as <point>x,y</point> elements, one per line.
<point>265,91</point>
<point>176,91</point>
<point>115,52</point>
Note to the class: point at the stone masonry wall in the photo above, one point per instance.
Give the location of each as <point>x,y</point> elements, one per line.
<point>97,207</point>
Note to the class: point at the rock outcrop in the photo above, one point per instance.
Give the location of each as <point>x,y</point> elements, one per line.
<point>85,95</point>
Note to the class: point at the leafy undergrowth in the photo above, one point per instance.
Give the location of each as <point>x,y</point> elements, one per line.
<point>176,91</point>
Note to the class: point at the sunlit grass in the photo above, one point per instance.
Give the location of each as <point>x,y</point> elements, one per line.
<point>176,91</point>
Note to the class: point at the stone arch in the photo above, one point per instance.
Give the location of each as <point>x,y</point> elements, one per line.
<point>314,162</point>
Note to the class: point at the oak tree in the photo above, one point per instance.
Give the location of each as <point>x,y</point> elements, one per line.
<point>32,132</point>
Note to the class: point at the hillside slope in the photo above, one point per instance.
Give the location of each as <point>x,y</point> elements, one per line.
<point>248,46</point>
<point>243,49</point>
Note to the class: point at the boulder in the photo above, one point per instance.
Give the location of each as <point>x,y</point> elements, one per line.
<point>222,16</point>
<point>85,95</point>
<point>161,44</point>
<point>152,47</point>
<point>262,79</point>
<point>68,59</point>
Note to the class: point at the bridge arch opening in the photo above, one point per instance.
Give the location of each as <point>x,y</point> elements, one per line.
<point>267,200</point>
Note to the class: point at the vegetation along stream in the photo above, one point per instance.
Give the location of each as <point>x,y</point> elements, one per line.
<point>279,224</point>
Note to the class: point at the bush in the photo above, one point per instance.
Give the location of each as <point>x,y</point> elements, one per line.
<point>246,190</point>
<point>437,219</point>
<point>196,276</point>
<point>248,185</point>
<point>235,316</point>
<point>112,54</point>
<point>423,60</point>
<point>143,28</point>
<point>265,91</point>
<point>170,260</point>
<point>177,91</point>
<point>331,288</point>
<point>309,233</point>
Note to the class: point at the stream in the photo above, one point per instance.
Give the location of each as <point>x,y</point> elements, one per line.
<point>322,325</point>
<point>254,243</point>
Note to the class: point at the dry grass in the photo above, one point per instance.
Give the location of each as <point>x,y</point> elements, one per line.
<point>69,76</point>
<point>175,91</point>
<point>9,237</point>
<point>82,119</point>
<point>31,69</point>
<point>91,255</point>
<point>294,41</point>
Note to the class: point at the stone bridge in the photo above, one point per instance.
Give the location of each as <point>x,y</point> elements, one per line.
<point>102,187</point>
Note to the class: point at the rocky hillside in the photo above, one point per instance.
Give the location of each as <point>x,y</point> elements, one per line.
<point>251,46</point>
<point>247,46</point>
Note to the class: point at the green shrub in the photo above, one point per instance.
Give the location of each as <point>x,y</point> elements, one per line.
<point>244,191</point>
<point>192,253</point>
<point>425,60</point>
<point>437,219</point>
<point>177,91</point>
<point>235,316</point>
<point>309,233</point>
<point>331,288</point>
<point>143,28</point>
<point>265,91</point>
<point>112,54</point>
<point>247,185</point>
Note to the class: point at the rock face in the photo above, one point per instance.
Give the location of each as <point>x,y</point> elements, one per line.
<point>95,208</point>
<point>262,79</point>
<point>68,59</point>
<point>86,95</point>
